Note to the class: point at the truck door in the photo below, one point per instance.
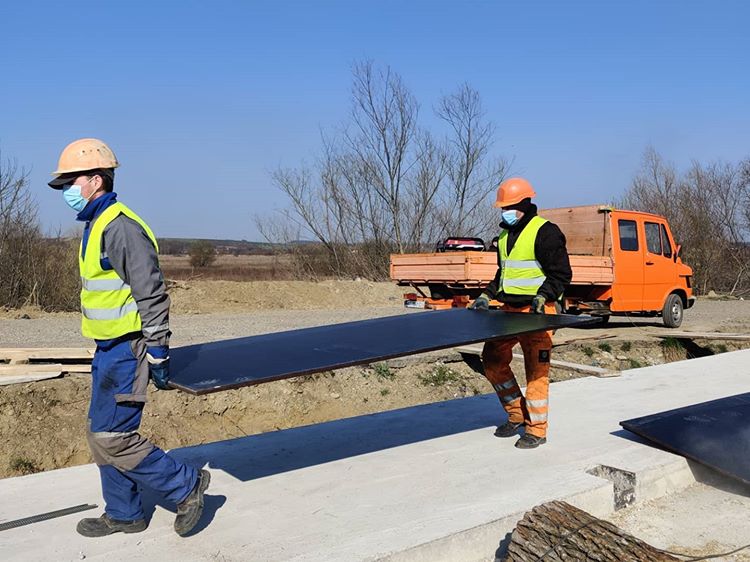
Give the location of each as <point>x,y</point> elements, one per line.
<point>627,291</point>
<point>660,268</point>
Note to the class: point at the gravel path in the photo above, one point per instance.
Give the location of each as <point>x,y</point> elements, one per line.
<point>63,330</point>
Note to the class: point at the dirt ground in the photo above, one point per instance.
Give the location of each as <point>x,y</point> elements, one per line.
<point>698,521</point>
<point>42,424</point>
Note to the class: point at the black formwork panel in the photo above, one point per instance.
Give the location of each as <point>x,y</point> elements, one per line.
<point>715,434</point>
<point>222,365</point>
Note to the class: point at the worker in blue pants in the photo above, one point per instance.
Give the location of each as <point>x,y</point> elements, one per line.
<point>125,309</point>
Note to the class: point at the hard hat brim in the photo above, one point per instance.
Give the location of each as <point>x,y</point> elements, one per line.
<point>63,179</point>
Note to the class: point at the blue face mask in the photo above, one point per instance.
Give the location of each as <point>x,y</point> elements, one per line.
<point>510,217</point>
<point>73,197</point>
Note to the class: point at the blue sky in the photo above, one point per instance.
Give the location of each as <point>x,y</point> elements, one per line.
<point>200,100</point>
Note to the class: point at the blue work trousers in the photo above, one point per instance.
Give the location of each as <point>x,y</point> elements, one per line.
<point>127,461</point>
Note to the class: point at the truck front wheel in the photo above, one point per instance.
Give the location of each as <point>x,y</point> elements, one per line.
<point>671,314</point>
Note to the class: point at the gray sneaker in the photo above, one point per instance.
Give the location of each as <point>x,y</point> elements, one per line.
<point>105,525</point>
<point>190,509</point>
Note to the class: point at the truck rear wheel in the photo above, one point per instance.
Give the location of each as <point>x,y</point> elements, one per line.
<point>671,314</point>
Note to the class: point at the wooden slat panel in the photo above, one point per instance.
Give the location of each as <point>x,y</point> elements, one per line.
<point>465,267</point>
<point>448,267</point>
<point>586,229</point>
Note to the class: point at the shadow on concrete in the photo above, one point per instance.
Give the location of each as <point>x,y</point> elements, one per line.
<point>630,436</point>
<point>266,454</point>
<point>501,552</point>
<point>711,477</point>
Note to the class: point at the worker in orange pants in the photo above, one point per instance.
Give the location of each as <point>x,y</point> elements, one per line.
<point>530,410</point>
<point>533,271</point>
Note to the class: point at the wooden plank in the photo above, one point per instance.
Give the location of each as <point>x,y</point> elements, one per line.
<point>46,353</point>
<point>20,370</point>
<point>76,369</point>
<point>703,336</point>
<point>33,377</point>
<point>586,369</point>
<point>587,338</point>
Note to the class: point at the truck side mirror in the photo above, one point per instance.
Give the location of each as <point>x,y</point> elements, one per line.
<point>677,252</point>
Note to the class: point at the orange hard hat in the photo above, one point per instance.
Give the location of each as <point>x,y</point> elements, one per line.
<point>85,154</point>
<point>513,191</point>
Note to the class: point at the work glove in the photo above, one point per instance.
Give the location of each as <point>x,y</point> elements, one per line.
<point>158,366</point>
<point>482,302</point>
<point>537,304</point>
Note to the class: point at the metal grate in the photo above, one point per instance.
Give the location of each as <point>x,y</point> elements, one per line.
<point>45,516</point>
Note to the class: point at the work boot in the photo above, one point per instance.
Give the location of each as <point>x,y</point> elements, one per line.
<point>508,429</point>
<point>190,509</point>
<point>528,441</point>
<point>105,525</point>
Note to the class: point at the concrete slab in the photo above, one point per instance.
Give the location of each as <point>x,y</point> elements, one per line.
<point>423,483</point>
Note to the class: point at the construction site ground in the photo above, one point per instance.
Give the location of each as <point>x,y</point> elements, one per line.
<point>42,423</point>
<point>424,483</point>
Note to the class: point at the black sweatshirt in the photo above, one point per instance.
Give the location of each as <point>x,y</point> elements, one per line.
<point>551,253</point>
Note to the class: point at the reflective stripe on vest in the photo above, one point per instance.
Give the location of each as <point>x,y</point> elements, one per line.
<point>108,309</point>
<point>521,273</point>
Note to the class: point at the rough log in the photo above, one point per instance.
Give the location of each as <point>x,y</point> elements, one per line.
<point>557,532</point>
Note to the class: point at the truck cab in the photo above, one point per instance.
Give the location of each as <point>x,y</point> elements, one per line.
<point>649,274</point>
<point>640,272</point>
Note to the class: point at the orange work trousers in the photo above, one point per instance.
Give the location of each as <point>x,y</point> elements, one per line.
<point>496,357</point>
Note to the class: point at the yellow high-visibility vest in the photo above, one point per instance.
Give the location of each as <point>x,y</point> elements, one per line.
<point>522,274</point>
<point>107,305</point>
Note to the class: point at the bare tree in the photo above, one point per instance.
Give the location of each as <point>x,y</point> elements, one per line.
<point>384,117</point>
<point>655,187</point>
<point>472,171</point>
<point>384,185</point>
<point>30,264</point>
<point>707,208</point>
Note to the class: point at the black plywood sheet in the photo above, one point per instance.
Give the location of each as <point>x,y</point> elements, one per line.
<point>715,433</point>
<point>223,365</point>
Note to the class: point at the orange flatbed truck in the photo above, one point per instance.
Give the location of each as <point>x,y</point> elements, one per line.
<point>624,263</point>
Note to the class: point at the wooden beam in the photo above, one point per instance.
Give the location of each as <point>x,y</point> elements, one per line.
<point>577,367</point>
<point>25,355</point>
<point>6,380</point>
<point>19,370</point>
<point>703,336</point>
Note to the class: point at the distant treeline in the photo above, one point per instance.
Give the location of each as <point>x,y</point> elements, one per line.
<point>182,246</point>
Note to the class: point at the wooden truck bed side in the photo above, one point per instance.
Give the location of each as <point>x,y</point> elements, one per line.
<point>589,240</point>
<point>587,229</point>
<point>466,268</point>
<point>479,268</point>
